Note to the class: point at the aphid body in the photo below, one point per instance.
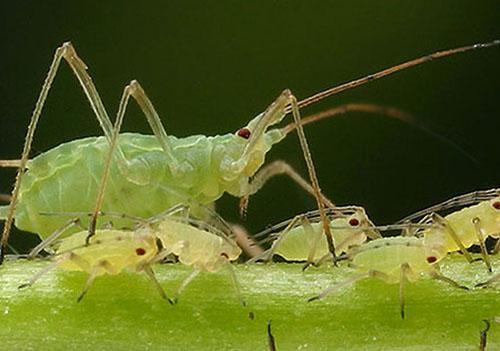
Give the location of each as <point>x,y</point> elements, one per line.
<point>303,238</point>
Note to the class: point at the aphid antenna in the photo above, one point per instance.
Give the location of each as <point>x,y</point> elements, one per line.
<point>375,109</point>
<point>457,201</point>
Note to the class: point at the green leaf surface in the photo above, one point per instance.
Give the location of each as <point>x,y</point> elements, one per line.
<point>126,312</point>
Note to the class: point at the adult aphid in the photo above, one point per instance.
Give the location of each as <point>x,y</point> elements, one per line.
<point>162,169</point>
<point>111,251</point>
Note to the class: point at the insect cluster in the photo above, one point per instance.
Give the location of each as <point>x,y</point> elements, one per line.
<point>148,198</point>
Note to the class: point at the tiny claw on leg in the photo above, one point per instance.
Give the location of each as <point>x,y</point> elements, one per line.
<point>23,286</point>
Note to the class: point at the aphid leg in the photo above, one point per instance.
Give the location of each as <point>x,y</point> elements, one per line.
<point>270,170</point>
<point>185,283</point>
<point>134,90</point>
<point>442,221</point>
<point>435,274</point>
<point>481,237</point>
<point>312,174</point>
<point>236,284</point>
<point>489,282</point>
<point>483,334</point>
<point>67,52</point>
<point>268,254</point>
<point>149,271</point>
<point>340,285</point>
<point>405,267</point>
<point>51,238</point>
<point>271,343</point>
<point>92,275</point>
<point>316,237</point>
<point>41,273</point>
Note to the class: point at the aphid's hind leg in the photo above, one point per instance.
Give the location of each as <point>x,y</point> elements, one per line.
<point>150,273</point>
<point>185,283</point>
<point>52,237</point>
<point>481,237</point>
<point>278,167</point>
<point>442,221</point>
<point>67,52</point>
<point>246,242</point>
<point>496,249</point>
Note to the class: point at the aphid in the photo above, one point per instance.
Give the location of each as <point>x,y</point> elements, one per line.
<point>162,169</point>
<point>468,226</point>
<point>393,260</point>
<point>302,238</point>
<point>110,251</point>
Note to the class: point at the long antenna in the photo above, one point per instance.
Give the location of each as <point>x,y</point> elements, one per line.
<point>415,62</point>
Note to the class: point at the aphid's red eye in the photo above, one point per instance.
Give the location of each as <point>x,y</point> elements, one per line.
<point>244,133</point>
<point>496,205</point>
<point>224,255</point>
<point>354,222</point>
<point>431,259</point>
<point>140,251</point>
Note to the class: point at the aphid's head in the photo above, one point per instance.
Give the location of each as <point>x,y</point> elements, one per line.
<point>249,146</point>
<point>359,219</point>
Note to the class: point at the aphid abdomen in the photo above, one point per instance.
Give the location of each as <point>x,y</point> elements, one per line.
<point>66,178</point>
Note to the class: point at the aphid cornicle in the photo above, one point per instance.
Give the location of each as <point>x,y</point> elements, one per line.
<point>162,169</point>
<point>110,251</point>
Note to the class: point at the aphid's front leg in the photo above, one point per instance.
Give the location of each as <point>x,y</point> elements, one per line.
<point>149,271</point>
<point>272,169</point>
<point>451,232</point>
<point>481,238</point>
<point>312,173</point>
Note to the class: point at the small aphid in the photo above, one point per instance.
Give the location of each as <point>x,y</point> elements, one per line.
<point>302,238</point>
<point>196,244</point>
<point>393,260</point>
<point>468,226</point>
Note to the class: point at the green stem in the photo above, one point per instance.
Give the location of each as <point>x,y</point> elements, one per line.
<point>126,311</point>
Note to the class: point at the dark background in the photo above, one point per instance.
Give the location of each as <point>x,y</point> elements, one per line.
<point>209,68</point>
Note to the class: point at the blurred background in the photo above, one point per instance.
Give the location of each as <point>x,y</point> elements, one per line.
<point>209,68</point>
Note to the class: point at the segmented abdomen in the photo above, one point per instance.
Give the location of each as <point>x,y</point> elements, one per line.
<point>65,179</point>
